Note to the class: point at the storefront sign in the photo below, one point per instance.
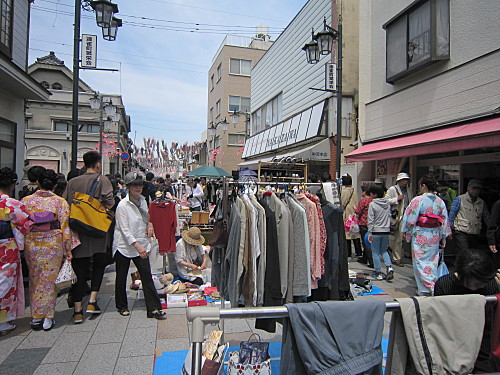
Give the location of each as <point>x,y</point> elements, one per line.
<point>89,49</point>
<point>303,126</point>
<point>330,76</point>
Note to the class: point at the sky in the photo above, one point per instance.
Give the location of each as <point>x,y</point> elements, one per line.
<point>163,52</point>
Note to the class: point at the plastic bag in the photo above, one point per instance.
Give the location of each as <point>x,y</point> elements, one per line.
<point>352,224</point>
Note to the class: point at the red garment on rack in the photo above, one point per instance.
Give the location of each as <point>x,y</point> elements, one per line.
<point>164,219</point>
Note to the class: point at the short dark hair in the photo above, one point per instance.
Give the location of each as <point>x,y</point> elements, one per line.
<point>91,158</point>
<point>365,188</point>
<point>73,173</point>
<point>428,180</point>
<point>149,176</point>
<point>167,175</point>
<point>48,179</point>
<point>197,180</point>
<point>347,180</point>
<point>474,268</point>
<point>377,190</point>
<point>326,177</point>
<point>7,178</point>
<point>312,176</point>
<point>35,172</point>
<point>160,180</point>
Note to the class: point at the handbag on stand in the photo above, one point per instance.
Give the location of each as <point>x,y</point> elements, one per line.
<point>66,276</point>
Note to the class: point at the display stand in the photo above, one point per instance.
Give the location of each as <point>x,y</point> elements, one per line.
<point>201,316</point>
<point>281,172</point>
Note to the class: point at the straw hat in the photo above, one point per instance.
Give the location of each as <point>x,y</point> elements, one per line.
<point>193,236</point>
<point>166,279</point>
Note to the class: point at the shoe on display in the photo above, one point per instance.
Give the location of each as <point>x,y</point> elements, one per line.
<point>93,308</point>
<point>390,273</point>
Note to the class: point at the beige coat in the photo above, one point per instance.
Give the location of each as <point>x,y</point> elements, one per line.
<point>350,201</point>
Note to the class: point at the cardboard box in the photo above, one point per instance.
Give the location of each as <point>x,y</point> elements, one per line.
<point>199,217</point>
<point>176,300</point>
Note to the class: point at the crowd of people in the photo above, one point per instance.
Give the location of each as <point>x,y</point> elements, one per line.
<point>391,219</point>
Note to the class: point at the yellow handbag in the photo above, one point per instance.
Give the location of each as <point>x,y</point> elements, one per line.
<point>88,216</point>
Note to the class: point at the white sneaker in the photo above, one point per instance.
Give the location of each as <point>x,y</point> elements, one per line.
<point>48,323</point>
<point>390,273</point>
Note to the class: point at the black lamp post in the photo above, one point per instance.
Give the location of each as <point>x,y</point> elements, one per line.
<point>235,117</point>
<point>212,131</point>
<point>322,43</point>
<point>104,10</point>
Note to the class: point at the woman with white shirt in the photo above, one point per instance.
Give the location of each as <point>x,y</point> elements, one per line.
<point>195,194</point>
<point>131,243</point>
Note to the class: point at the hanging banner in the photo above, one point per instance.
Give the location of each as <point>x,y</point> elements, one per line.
<point>330,76</point>
<point>89,51</point>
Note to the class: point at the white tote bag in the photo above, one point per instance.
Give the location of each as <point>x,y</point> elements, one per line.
<point>66,275</point>
<point>235,368</point>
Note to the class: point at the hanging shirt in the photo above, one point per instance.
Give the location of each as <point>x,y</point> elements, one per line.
<point>163,216</point>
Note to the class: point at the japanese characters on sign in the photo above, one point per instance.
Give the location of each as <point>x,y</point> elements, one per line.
<point>330,76</point>
<point>89,51</point>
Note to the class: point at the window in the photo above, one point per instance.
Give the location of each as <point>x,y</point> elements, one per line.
<point>237,66</point>
<point>6,10</point>
<point>65,126</point>
<point>212,82</point>
<point>7,143</point>
<point>238,103</point>
<point>56,86</point>
<point>219,72</point>
<point>212,114</point>
<point>418,36</point>
<point>217,108</point>
<point>235,139</point>
<point>45,84</point>
<point>268,115</point>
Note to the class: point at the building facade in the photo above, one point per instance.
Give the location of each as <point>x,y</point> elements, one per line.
<point>48,124</point>
<point>293,116</point>
<point>229,91</point>
<point>16,86</point>
<point>429,92</point>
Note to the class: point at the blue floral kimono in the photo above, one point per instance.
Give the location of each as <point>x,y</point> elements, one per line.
<point>425,240</point>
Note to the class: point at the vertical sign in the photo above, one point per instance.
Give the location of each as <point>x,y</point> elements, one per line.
<point>330,76</point>
<point>89,48</point>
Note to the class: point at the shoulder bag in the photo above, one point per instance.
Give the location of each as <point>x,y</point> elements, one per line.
<point>88,216</point>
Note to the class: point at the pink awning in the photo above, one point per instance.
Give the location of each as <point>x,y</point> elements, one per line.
<point>460,137</point>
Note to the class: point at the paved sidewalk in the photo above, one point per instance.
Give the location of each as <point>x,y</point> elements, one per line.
<point>113,344</point>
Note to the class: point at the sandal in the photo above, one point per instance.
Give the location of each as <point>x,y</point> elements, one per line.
<point>124,312</point>
<point>157,314</point>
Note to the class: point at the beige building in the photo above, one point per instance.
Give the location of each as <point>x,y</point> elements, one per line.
<point>229,91</point>
<point>48,124</point>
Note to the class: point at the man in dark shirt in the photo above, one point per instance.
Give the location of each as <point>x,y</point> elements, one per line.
<point>150,188</point>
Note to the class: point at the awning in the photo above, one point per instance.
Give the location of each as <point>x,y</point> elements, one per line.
<point>317,151</point>
<point>455,138</point>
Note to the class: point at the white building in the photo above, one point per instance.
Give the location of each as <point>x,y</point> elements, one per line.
<point>430,91</point>
<point>15,84</point>
<point>290,116</point>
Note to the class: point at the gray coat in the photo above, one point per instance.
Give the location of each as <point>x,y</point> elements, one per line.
<point>379,216</point>
<point>230,287</point>
<point>333,338</point>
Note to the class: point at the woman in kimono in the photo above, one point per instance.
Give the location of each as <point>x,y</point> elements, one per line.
<point>13,226</point>
<point>48,242</point>
<point>425,224</point>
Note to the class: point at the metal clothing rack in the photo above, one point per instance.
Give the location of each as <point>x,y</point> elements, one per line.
<point>200,316</point>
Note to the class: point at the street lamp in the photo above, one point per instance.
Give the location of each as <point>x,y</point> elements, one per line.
<point>104,10</point>
<point>97,102</point>
<point>109,33</point>
<point>212,131</point>
<point>322,44</point>
<point>235,117</point>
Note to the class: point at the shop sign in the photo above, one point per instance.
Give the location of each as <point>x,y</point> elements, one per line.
<point>330,76</point>
<point>301,127</point>
<point>89,49</point>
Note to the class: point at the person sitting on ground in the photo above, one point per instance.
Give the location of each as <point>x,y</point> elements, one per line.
<point>379,227</point>
<point>190,257</point>
<point>475,274</point>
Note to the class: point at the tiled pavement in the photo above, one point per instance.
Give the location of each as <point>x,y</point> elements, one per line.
<point>113,344</point>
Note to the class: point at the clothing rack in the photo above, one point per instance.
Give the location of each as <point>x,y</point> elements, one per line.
<point>200,316</point>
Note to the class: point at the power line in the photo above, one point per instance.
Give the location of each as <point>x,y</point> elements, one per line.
<point>123,53</point>
<point>127,63</point>
<point>178,22</point>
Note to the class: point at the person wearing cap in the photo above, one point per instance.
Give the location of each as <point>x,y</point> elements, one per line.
<point>131,243</point>
<point>398,196</point>
<point>190,256</point>
<point>466,214</point>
